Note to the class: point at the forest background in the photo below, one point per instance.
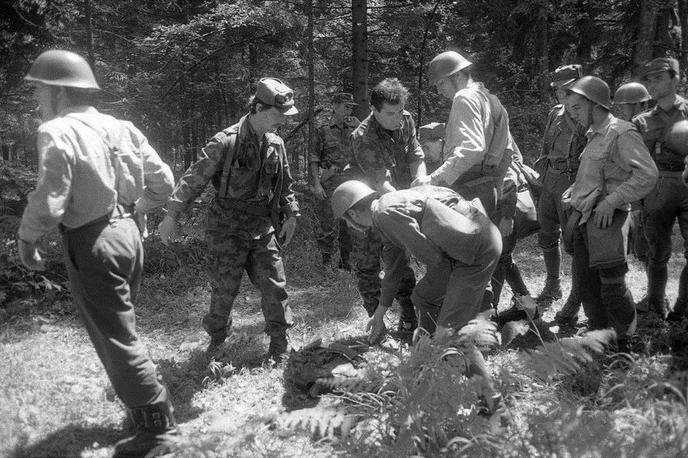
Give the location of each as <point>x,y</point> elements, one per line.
<point>181,71</point>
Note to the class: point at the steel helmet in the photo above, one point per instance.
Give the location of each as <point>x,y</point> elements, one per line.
<point>347,194</point>
<point>631,93</point>
<point>593,89</point>
<point>677,138</point>
<point>62,68</point>
<point>446,64</point>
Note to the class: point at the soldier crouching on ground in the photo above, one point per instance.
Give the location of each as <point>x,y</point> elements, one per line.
<point>331,154</point>
<point>97,175</point>
<point>453,236</point>
<point>615,170</point>
<point>247,164</point>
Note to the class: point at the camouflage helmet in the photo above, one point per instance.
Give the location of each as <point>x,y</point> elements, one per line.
<point>446,64</point>
<point>593,89</point>
<point>347,194</point>
<point>677,137</point>
<point>62,68</point>
<point>631,93</point>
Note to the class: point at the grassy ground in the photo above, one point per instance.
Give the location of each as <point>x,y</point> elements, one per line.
<point>55,399</point>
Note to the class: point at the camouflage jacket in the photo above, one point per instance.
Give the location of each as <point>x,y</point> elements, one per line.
<point>333,143</point>
<point>253,175</point>
<point>380,155</point>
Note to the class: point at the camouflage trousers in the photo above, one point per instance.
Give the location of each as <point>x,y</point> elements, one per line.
<point>367,251</point>
<point>330,229</point>
<point>230,253</point>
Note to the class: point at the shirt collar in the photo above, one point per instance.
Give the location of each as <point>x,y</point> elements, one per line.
<point>601,129</point>
<point>78,109</point>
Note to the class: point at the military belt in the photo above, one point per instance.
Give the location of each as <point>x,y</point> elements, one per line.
<point>249,209</point>
<point>670,173</point>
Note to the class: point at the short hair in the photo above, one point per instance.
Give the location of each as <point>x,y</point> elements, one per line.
<point>389,90</point>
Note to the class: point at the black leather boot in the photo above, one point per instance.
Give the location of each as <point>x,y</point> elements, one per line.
<point>155,428</point>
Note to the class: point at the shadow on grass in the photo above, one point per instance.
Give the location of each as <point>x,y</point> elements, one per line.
<point>243,349</point>
<point>309,366</point>
<point>71,440</point>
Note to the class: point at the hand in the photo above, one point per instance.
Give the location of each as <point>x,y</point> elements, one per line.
<point>142,223</point>
<point>506,226</point>
<point>376,326</point>
<point>604,213</point>
<point>319,191</point>
<point>288,229</point>
<point>30,255</point>
<point>168,229</point>
<point>566,198</point>
<point>422,181</point>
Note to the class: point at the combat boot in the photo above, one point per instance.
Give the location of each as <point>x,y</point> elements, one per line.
<point>550,293</point>
<point>568,315</point>
<point>679,312</point>
<point>217,334</point>
<point>155,428</point>
<point>278,346</point>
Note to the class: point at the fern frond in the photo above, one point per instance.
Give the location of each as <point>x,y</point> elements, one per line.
<point>566,355</point>
<point>480,332</point>
<point>322,422</point>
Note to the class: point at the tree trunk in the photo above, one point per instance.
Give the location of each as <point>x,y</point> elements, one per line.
<point>89,35</point>
<point>683,19</point>
<point>646,31</point>
<point>359,43</point>
<point>542,47</point>
<point>311,85</point>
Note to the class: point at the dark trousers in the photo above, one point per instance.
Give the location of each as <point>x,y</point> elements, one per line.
<point>667,203</point>
<point>104,262</point>
<point>606,299</point>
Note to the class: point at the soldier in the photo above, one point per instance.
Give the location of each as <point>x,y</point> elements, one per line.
<point>327,161</point>
<point>478,144</point>
<point>669,200</point>
<point>97,175</point>
<point>431,138</point>
<point>452,236</point>
<point>387,156</point>
<point>477,134</point>
<point>631,99</point>
<point>562,144</point>
<point>247,164</point>
<point>615,170</point>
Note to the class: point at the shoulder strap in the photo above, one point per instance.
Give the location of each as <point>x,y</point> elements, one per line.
<point>112,149</point>
<point>229,142</point>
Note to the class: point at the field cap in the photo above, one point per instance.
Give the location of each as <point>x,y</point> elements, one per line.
<point>565,75</point>
<point>272,91</point>
<point>343,97</point>
<point>658,65</point>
